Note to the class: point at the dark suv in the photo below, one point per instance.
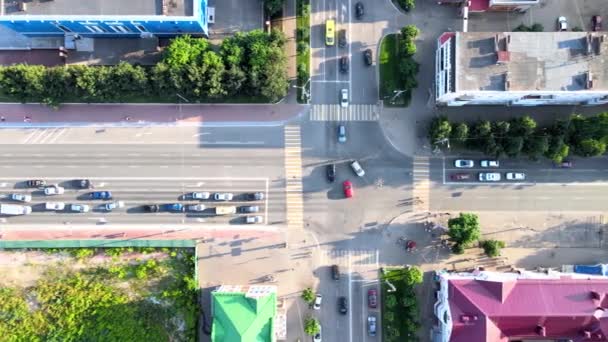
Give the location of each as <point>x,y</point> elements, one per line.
<point>367,57</point>
<point>335,272</point>
<point>359,10</point>
<point>151,208</point>
<point>36,183</point>
<point>344,64</point>
<point>331,172</point>
<point>343,305</point>
<point>342,38</point>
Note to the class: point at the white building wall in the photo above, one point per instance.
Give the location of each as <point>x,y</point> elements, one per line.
<point>524,98</point>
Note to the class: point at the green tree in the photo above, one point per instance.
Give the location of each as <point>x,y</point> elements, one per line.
<point>56,84</point>
<point>459,132</point>
<point>407,5</point>
<point>464,229</point>
<point>492,247</point>
<point>413,276</point>
<point>184,50</point>
<point>522,126</point>
<point>513,145</point>
<point>410,32</point>
<point>391,301</point>
<point>590,148</point>
<point>389,316</point>
<point>125,79</point>
<point>536,27</point>
<point>500,128</point>
<point>557,149</point>
<point>88,82</point>
<point>439,129</point>
<point>536,146</point>
<point>311,326</point>
<point>24,82</point>
<point>162,80</point>
<point>273,6</point>
<point>408,69</point>
<point>479,134</point>
<point>214,70</point>
<point>308,295</point>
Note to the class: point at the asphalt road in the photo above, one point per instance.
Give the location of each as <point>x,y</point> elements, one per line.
<point>144,166</point>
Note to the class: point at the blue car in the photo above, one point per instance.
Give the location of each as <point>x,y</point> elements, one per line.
<point>174,207</point>
<point>102,195</point>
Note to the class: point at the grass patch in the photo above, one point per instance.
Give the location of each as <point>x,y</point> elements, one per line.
<point>400,315</point>
<point>389,73</point>
<point>303,47</point>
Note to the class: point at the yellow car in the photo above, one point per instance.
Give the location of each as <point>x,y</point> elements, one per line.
<point>330,32</point>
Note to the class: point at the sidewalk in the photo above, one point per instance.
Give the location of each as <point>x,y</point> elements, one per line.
<point>77,114</point>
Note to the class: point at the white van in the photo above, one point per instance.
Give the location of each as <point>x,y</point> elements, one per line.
<point>357,168</point>
<point>54,205</point>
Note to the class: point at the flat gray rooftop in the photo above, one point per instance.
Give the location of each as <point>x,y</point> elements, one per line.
<point>100,7</point>
<point>556,61</point>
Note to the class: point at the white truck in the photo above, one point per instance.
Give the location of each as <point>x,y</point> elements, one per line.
<point>225,210</point>
<point>14,209</point>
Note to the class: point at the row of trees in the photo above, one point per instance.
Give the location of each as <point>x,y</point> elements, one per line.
<point>251,64</point>
<point>579,135</point>
<point>407,67</point>
<point>400,316</point>
<point>464,231</point>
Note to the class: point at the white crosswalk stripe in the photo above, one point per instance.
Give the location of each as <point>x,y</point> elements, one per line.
<point>334,112</point>
<point>43,136</point>
<point>293,177</point>
<point>350,257</point>
<point>422,184</point>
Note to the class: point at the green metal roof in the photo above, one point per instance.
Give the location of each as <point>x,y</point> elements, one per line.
<point>237,318</point>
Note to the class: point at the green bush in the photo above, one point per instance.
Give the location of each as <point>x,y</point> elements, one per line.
<point>407,5</point>
<point>492,247</point>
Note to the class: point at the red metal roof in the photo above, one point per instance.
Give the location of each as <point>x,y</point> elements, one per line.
<point>479,5</point>
<point>485,310</point>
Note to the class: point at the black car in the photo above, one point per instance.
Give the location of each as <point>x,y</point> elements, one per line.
<point>344,64</point>
<point>359,10</point>
<point>36,183</point>
<point>331,172</point>
<point>82,183</point>
<point>342,38</point>
<point>342,305</point>
<point>255,196</point>
<point>367,57</point>
<point>335,272</point>
<point>152,208</point>
<point>249,209</point>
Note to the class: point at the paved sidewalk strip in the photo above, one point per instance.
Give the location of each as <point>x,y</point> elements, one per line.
<point>422,184</point>
<point>293,177</point>
<point>333,112</point>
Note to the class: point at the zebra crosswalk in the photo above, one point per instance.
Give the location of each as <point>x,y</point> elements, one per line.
<point>351,257</point>
<point>422,184</point>
<point>334,112</point>
<point>44,136</point>
<point>293,177</point>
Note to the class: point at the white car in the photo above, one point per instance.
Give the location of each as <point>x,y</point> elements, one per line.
<point>223,196</point>
<point>79,208</point>
<point>562,24</point>
<point>357,168</point>
<point>195,207</point>
<point>113,205</point>
<point>371,325</point>
<point>54,189</point>
<point>464,163</point>
<point>489,163</point>
<point>254,219</point>
<point>54,205</point>
<point>344,98</point>
<point>489,176</point>
<point>341,134</point>
<point>317,337</point>
<point>516,176</point>
<point>200,195</point>
<point>20,197</point>
<point>317,303</point>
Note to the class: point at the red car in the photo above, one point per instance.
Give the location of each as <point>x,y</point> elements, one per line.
<point>372,298</point>
<point>348,189</point>
<point>460,176</point>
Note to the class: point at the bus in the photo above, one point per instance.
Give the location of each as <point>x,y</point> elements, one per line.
<point>330,26</point>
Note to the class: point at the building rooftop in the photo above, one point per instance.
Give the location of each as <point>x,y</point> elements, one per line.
<point>520,61</point>
<point>178,8</point>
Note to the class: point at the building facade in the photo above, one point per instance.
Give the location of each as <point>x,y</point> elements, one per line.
<point>521,68</point>
<point>106,18</point>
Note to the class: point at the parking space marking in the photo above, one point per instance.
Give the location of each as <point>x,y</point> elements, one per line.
<point>293,177</point>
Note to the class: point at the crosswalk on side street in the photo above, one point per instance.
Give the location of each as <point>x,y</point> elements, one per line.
<point>334,112</point>
<point>293,176</point>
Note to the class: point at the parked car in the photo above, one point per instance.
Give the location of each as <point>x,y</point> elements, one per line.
<point>114,205</point>
<point>372,298</point>
<point>35,183</point>
<point>359,10</point>
<point>460,176</point>
<point>20,197</point>
<point>317,302</point>
<point>317,337</point>
<point>195,207</point>
<point>255,196</point>
<point>223,196</point>
<point>344,98</point>
<point>200,195</point>
<point>254,219</point>
<point>489,176</point>
<point>335,272</point>
<point>464,163</point>
<point>596,23</point>
<point>54,205</point>
<point>53,190</point>
<point>357,168</point>
<point>562,24</point>
<point>371,325</point>
<point>79,208</point>
<point>151,208</point>
<point>342,38</point>
<point>342,305</point>
<point>565,164</point>
<point>344,64</point>
<point>367,57</point>
<point>82,183</point>
<point>489,163</point>
<point>341,134</point>
<point>515,176</point>
<point>331,172</point>
<point>249,209</point>
<point>102,195</point>
<point>174,207</point>
<point>348,189</point>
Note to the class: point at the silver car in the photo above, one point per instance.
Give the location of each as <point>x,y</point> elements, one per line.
<point>54,189</point>
<point>371,325</point>
<point>464,163</point>
<point>254,219</point>
<point>489,163</point>
<point>20,197</point>
<point>223,196</point>
<point>516,176</point>
<point>195,207</point>
<point>489,176</point>
<point>200,195</point>
<point>79,208</point>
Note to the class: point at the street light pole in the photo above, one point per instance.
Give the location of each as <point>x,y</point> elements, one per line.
<point>305,94</point>
<point>397,93</point>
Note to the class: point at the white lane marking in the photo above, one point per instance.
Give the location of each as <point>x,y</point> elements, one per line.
<point>57,136</point>
<point>38,136</point>
<point>50,134</point>
<point>199,134</point>
<point>350,297</point>
<point>528,183</point>
<point>261,179</point>
<point>266,203</point>
<point>443,167</point>
<point>30,136</point>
